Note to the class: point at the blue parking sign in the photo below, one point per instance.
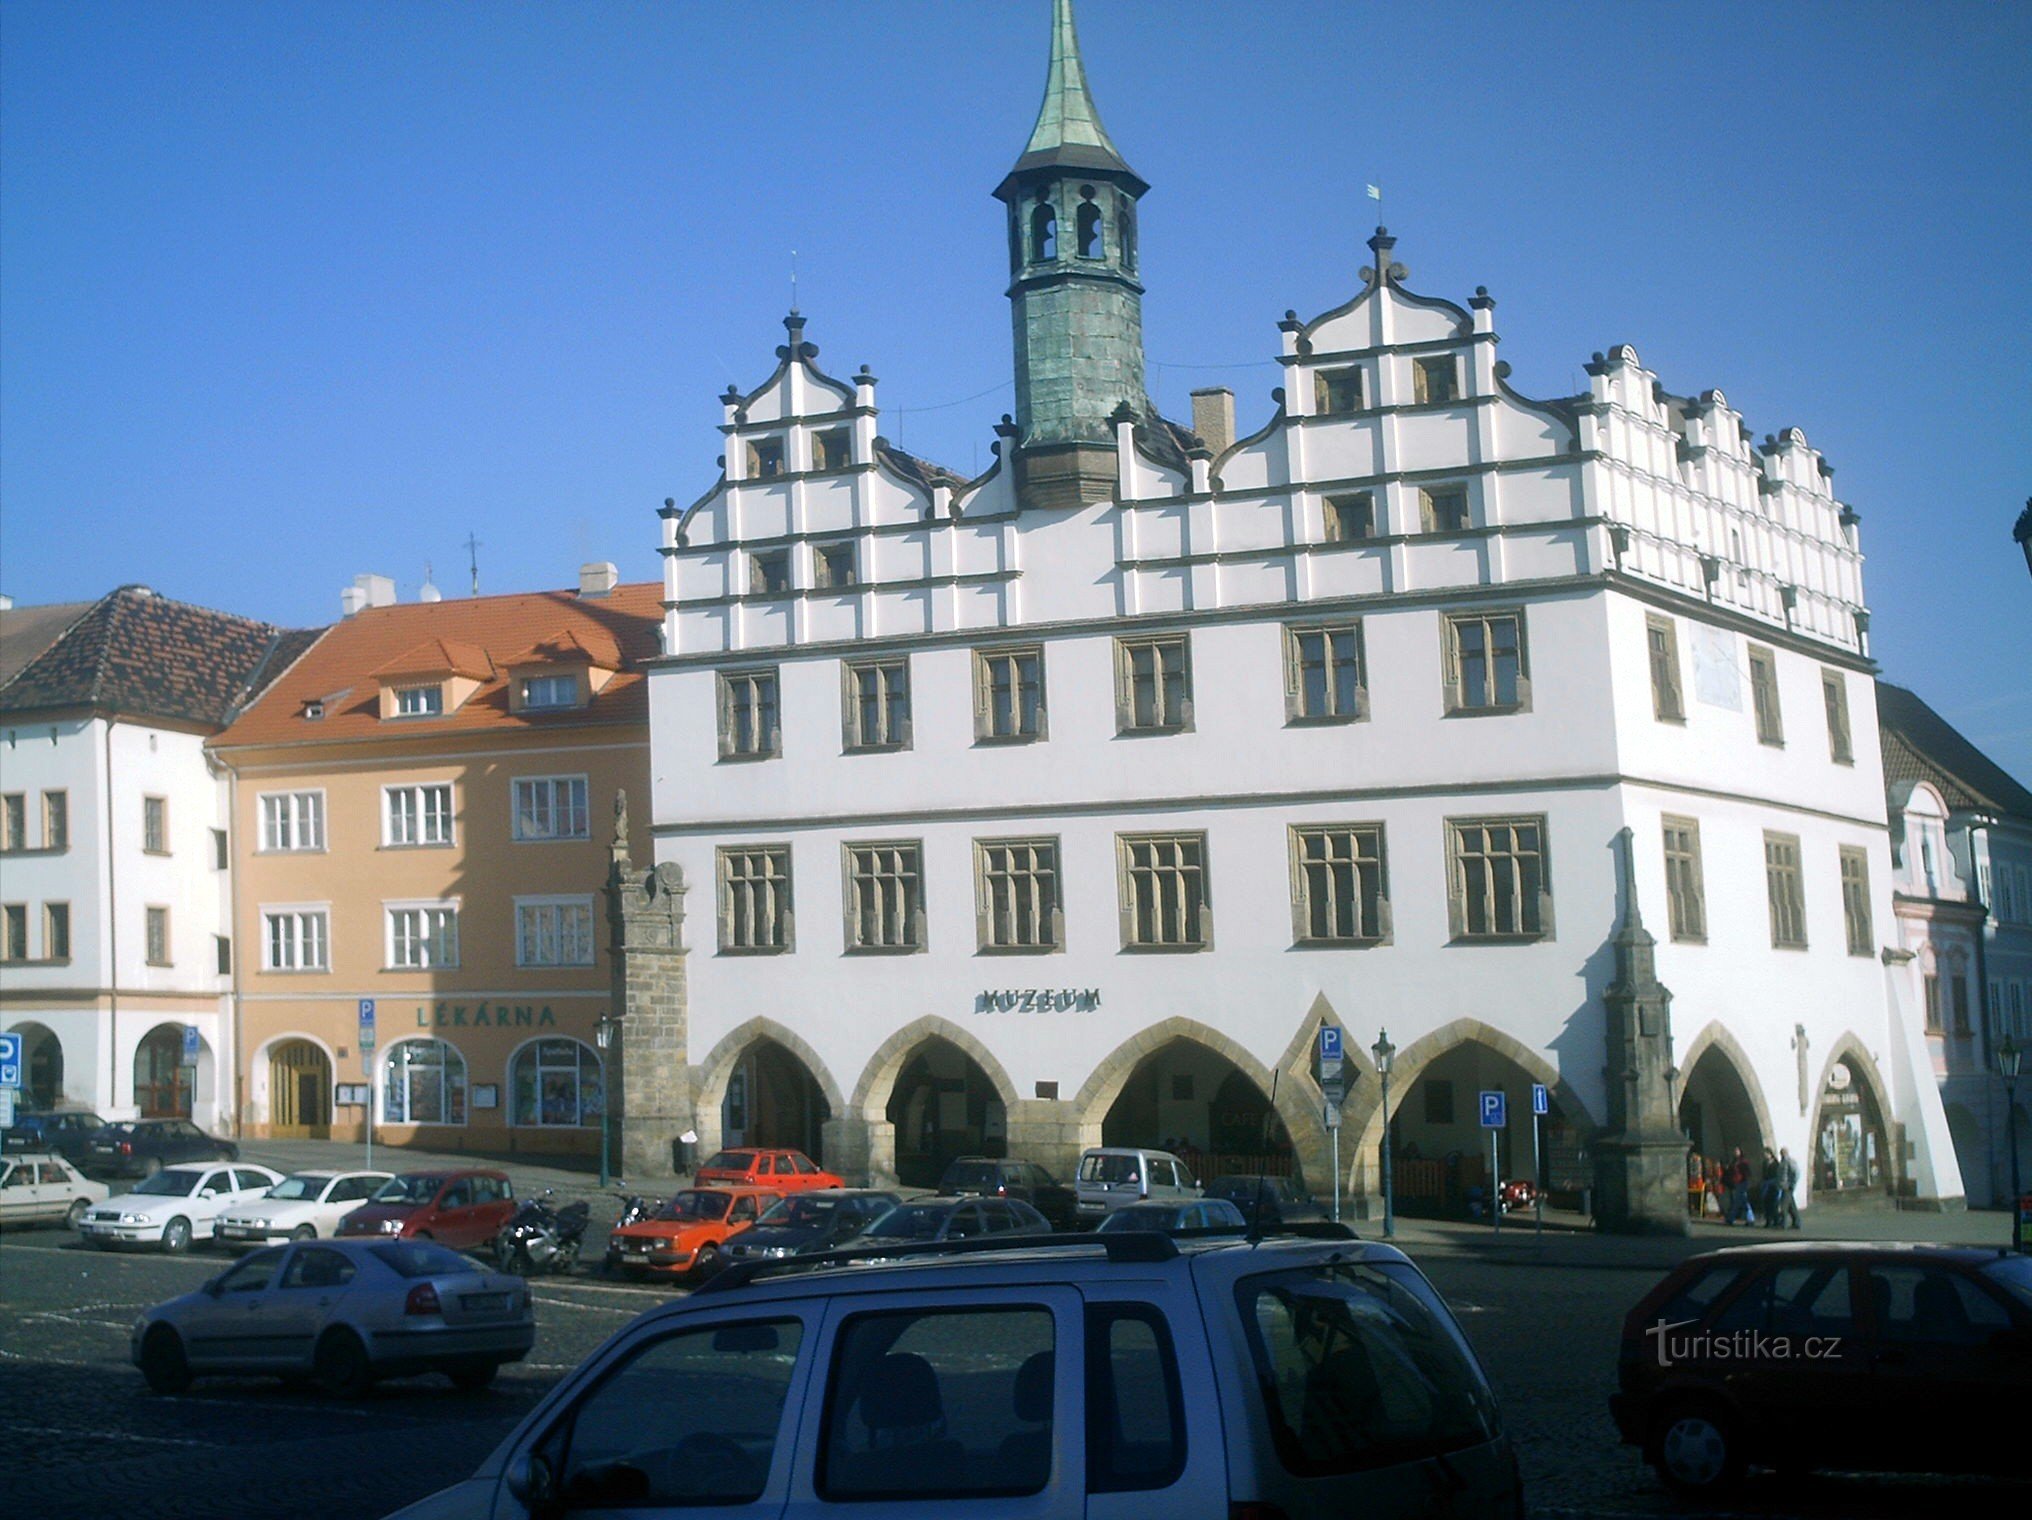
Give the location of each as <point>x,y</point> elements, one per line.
<point>1494,1107</point>
<point>1329,1042</point>
<point>190,1044</point>
<point>1541,1102</point>
<point>10,1060</point>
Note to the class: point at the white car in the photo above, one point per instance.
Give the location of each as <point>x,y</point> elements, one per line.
<point>40,1188</point>
<point>175,1206</point>
<point>303,1206</point>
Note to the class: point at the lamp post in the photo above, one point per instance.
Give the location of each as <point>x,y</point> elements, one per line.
<point>2008,1058</point>
<point>603,1036</point>
<point>1383,1050</point>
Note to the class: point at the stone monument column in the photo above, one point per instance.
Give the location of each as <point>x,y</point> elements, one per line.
<point>649,1063</point>
<point>1640,1157</point>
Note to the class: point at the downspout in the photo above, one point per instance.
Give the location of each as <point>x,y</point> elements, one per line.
<point>233,949</point>
<point>112,936</point>
<point>1996,1185</point>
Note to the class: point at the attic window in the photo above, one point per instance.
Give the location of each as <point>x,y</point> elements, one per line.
<point>1435,380</point>
<point>1350,518</point>
<point>832,450</point>
<point>765,458</point>
<point>1338,391</point>
<point>833,566</point>
<point>769,574</point>
<point>313,711</point>
<point>419,701</point>
<point>549,691</point>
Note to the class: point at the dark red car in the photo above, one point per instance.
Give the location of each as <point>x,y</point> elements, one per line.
<point>457,1209</point>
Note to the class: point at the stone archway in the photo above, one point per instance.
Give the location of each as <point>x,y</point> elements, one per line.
<point>1854,1146</point>
<point>1721,1102</point>
<point>42,1063</point>
<point>909,1080</point>
<point>764,1085</point>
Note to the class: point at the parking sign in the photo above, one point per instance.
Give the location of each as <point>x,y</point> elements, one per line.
<point>1329,1045</point>
<point>10,1060</point>
<point>1494,1106</point>
<point>366,1023</point>
<point>190,1044</point>
<point>1541,1103</point>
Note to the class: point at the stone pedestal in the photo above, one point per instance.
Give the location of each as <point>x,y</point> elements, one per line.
<point>649,1063</point>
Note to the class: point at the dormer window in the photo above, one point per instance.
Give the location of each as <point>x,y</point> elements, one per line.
<point>765,458</point>
<point>1337,391</point>
<point>832,450</point>
<point>1435,380</point>
<point>313,711</point>
<point>419,701</point>
<point>549,691</point>
<point>769,574</point>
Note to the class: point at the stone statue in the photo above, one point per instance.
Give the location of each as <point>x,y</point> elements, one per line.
<point>1800,1045</point>
<point>621,819</point>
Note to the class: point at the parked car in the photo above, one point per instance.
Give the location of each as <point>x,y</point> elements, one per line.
<point>1111,1176</point>
<point>177,1205</point>
<point>461,1209</point>
<point>1008,1177</point>
<point>813,1221</point>
<point>690,1232</point>
<point>785,1171</point>
<point>145,1146</point>
<point>1200,1380</point>
<point>343,1312</point>
<point>1859,1356</point>
<point>931,1218</point>
<point>38,1187</point>
<point>1172,1218</point>
<point>303,1206</point>
<point>1279,1200</point>
<point>67,1132</point>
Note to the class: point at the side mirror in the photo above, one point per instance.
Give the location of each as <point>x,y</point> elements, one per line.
<point>212,1287</point>
<point>208,1192</point>
<point>528,1478</point>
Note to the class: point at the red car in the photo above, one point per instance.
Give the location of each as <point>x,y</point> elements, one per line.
<point>457,1209</point>
<point>782,1171</point>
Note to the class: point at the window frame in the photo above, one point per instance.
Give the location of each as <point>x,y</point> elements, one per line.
<point>1431,499</point>
<point>1452,685</point>
<point>420,701</point>
<point>768,745</point>
<point>985,659</point>
<point>298,915</point>
<point>154,825</point>
<point>890,671</point>
<point>1767,710</point>
<point>417,791</point>
<point>823,442</point>
<point>1295,635</point>
<point>824,575</point>
<point>1668,692</point>
<point>781,887</point>
<point>304,814</point>
<point>13,822</point>
<point>158,947</point>
<point>1378,859</point>
<point>14,932</point>
<point>914,936</point>
<point>1858,928</point>
<point>1785,890</point>
<point>577,809</point>
<point>1200,935</point>
<point>56,926</point>
<point>1685,881</point>
<point>550,681</point>
<point>1127,647</point>
<point>56,819</point>
<point>1324,383</point>
<point>1460,919</point>
<point>532,1052</point>
<point>1425,368</point>
<point>557,902</point>
<point>1337,510</point>
<point>427,933</point>
<point>1834,692</point>
<point>1048,902</point>
<point>773,451</point>
<point>763,580</point>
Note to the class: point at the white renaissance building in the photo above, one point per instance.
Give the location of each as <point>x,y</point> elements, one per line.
<point>1065,803</point>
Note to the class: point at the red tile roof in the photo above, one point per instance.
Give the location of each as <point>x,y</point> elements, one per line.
<point>483,634</point>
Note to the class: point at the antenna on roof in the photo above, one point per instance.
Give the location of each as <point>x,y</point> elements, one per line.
<point>473,547</point>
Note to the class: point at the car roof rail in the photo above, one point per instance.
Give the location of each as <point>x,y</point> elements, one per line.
<point>1145,1246</point>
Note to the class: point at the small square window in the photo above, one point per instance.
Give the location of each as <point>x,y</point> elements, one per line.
<point>769,574</point>
<point>1435,379</point>
<point>765,458</point>
<point>1338,391</point>
<point>832,566</point>
<point>1444,509</point>
<point>832,450</point>
<point>1349,519</point>
<point>1338,892</point>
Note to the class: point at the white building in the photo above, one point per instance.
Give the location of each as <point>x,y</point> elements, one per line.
<point>1065,803</point>
<point>114,881</point>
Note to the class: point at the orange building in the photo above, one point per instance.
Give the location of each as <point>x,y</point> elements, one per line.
<point>421,811</point>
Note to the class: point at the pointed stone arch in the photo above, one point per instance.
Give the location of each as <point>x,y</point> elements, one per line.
<point>1715,1036</point>
<point>871,1093</point>
<point>1850,1048</point>
<point>718,1066</point>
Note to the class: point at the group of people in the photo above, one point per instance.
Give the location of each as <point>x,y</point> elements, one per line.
<point>1737,1190</point>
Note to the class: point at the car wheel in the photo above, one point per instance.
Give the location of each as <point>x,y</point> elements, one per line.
<point>707,1262</point>
<point>304,1232</point>
<point>342,1366</point>
<point>1697,1450</point>
<point>150,1165</point>
<point>75,1214</point>
<point>176,1236</point>
<point>163,1363</point>
<point>473,1379</point>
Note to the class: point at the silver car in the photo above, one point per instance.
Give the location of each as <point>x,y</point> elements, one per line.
<point>1114,1176</point>
<point>341,1312</point>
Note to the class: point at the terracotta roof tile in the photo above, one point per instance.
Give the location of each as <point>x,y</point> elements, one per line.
<point>437,657</point>
<point>571,646</point>
<point>1920,745</point>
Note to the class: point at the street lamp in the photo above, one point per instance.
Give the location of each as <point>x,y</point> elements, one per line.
<point>1383,1051</point>
<point>2008,1058</point>
<point>603,1036</point>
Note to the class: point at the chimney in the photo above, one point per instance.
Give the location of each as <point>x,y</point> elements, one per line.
<point>1213,417</point>
<point>366,591</point>
<point>598,578</point>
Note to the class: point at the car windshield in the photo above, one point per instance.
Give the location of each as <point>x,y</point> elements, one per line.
<point>2014,1275</point>
<point>801,1212</point>
<point>1142,1217</point>
<point>1242,1189</point>
<point>298,1188</point>
<point>411,1189</point>
<point>177,1182</point>
<point>909,1221</point>
<point>699,1203</point>
<point>1109,1169</point>
<point>420,1258</point>
<point>966,1176</point>
<point>730,1161</point>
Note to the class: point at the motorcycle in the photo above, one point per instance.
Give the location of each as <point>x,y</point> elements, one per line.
<point>634,1209</point>
<point>542,1238</point>
<point>1518,1193</point>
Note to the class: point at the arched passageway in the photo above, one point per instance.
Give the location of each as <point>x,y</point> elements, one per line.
<point>1190,1099</point>
<point>299,1091</point>
<point>42,1056</point>
<point>1850,1152</point>
<point>162,1083</point>
<point>1716,1112</point>
<point>772,1098</point>
<point>1441,1152</point>
<point>943,1105</point>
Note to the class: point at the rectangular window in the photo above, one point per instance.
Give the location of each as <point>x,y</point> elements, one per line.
<point>1435,379</point>
<point>419,701</point>
<point>1153,684</point>
<point>155,945</point>
<point>14,931</point>
<point>56,931</point>
<point>1337,391</point>
<point>832,566</point>
<point>1500,886</point>
<point>292,821</point>
<point>876,712</point>
<point>1323,675</point>
<point>769,574</point>
<point>222,857</point>
<point>1349,519</point>
<point>417,814</point>
<point>295,939</point>
<point>1164,903</point>
<point>424,935</point>
<point>885,896</point>
<point>1764,696</point>
<point>1009,693</point>
<point>1444,509</point>
<point>1783,888</point>
<point>1016,902</point>
<point>832,449</point>
<point>1486,668</point>
<point>222,954</point>
<point>56,820</point>
<point>1960,998</point>
<point>1662,640</point>
<point>551,807</point>
<point>549,691</point>
<point>1855,883</point>
<point>1834,689</point>
<point>553,931</point>
<point>155,825</point>
<point>1339,892</point>
<point>1685,893</point>
<point>1932,986</point>
<point>765,458</point>
<point>755,906</point>
<point>14,821</point>
<point>749,727</point>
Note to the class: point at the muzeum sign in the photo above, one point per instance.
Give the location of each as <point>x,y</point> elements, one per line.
<point>1038,1000</point>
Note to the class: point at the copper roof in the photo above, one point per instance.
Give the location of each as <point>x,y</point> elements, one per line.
<point>484,636</point>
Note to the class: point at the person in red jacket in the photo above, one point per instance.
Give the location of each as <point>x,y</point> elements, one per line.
<point>1737,1176</point>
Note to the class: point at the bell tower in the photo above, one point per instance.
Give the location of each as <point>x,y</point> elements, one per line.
<point>1076,304</point>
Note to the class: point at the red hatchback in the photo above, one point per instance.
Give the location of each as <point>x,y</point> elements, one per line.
<point>782,1171</point>
<point>458,1209</point>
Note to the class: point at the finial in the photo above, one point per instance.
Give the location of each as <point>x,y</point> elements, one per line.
<point>1626,848</point>
<point>1385,271</point>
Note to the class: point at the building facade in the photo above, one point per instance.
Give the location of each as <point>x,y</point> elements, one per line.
<point>417,813</point>
<point>115,930</point>
<point>1064,804</point>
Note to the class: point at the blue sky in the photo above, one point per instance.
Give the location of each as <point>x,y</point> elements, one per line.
<point>292,292</point>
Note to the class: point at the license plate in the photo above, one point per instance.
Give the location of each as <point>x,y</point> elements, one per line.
<point>235,1231</point>
<point>636,1248</point>
<point>483,1300</point>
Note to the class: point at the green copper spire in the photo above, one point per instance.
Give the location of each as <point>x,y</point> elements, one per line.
<point>1069,131</point>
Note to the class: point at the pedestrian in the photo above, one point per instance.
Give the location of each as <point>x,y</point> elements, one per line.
<point>1714,1186</point>
<point>1788,1186</point>
<point>1738,1178</point>
<point>1768,1192</point>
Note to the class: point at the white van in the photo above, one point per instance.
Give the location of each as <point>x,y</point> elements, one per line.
<point>1111,1177</point>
